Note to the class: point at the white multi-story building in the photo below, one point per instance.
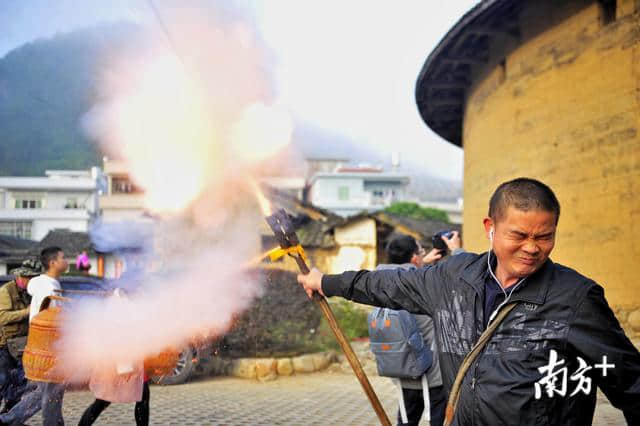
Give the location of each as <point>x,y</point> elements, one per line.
<point>30,207</point>
<point>323,164</point>
<point>122,206</point>
<point>122,199</point>
<point>349,191</point>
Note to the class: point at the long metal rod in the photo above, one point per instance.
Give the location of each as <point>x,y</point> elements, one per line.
<point>347,349</point>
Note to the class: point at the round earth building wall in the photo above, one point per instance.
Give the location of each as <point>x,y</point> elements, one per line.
<point>564,107</point>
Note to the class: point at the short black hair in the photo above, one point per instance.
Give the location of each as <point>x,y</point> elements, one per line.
<point>524,194</point>
<point>401,249</point>
<point>48,254</point>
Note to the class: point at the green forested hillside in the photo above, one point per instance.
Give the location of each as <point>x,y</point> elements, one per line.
<point>45,88</point>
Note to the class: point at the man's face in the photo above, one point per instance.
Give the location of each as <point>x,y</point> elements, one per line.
<point>22,282</point>
<point>522,241</point>
<point>60,264</point>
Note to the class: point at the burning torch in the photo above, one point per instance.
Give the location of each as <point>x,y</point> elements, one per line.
<point>284,232</point>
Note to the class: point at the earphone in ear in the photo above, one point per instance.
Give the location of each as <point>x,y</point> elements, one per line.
<point>491,234</point>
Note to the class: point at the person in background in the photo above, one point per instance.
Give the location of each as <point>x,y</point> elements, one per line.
<point>404,252</point>
<point>82,262</point>
<point>123,382</point>
<point>118,383</point>
<point>141,411</point>
<point>14,324</point>
<point>45,395</point>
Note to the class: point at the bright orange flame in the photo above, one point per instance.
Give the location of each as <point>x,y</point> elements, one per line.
<point>184,127</point>
<point>165,134</point>
<point>265,206</point>
<point>259,258</point>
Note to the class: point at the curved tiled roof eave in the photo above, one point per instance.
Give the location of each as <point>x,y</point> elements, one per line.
<point>445,118</point>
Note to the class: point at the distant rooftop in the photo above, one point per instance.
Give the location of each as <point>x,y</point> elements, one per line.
<point>375,175</point>
<point>54,179</point>
<point>15,247</point>
<point>67,173</point>
<point>361,169</point>
<point>71,242</point>
<point>450,69</point>
<point>326,158</point>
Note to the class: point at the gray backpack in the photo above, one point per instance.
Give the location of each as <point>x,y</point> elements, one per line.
<point>397,344</point>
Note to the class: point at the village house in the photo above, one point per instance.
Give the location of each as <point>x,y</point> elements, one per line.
<point>350,190</point>
<point>30,207</point>
<point>335,244</point>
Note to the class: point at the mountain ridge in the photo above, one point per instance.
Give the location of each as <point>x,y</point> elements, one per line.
<point>47,85</point>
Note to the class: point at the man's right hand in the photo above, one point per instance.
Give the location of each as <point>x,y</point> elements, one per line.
<point>433,256</point>
<point>311,282</point>
<point>24,312</point>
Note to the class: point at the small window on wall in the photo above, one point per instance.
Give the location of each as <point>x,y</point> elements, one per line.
<point>72,203</point>
<point>122,185</point>
<point>607,11</point>
<point>16,229</point>
<point>503,70</point>
<point>343,193</point>
<point>378,197</point>
<point>28,204</point>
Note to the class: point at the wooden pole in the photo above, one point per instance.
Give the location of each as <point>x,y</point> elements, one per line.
<point>102,293</point>
<point>347,349</point>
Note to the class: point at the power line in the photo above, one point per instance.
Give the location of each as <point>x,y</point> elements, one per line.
<point>165,30</point>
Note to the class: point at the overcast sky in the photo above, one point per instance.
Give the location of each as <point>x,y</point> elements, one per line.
<point>347,66</point>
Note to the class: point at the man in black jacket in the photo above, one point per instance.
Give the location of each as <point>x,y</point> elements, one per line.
<point>539,366</point>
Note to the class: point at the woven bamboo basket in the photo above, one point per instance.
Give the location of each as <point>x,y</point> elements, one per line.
<point>39,359</point>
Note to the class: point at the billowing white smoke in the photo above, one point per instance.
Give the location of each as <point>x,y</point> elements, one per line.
<point>190,128</point>
<point>187,288</point>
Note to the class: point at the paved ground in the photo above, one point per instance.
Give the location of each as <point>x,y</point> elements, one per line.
<point>316,399</point>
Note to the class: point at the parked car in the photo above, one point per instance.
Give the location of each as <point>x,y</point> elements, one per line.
<point>193,360</point>
<point>74,283</point>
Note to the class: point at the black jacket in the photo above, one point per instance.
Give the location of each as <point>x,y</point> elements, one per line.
<point>558,309</point>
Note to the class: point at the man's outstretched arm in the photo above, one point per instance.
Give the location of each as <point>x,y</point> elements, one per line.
<point>412,290</point>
